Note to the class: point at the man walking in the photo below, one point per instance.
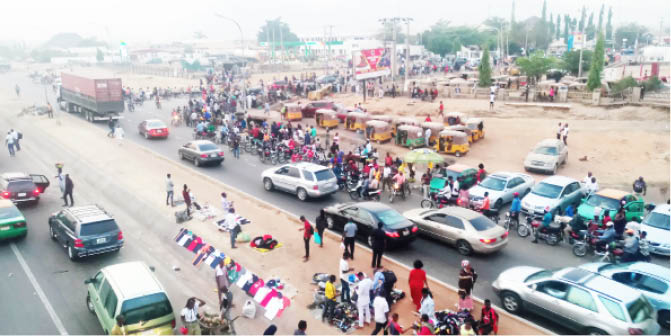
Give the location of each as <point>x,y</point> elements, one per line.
<point>9,141</point>
<point>307,233</point>
<point>380,310</point>
<point>68,191</point>
<point>17,136</point>
<point>349,233</point>
<point>50,111</point>
<point>232,225</point>
<point>236,146</point>
<point>363,298</point>
<point>170,191</point>
<point>379,244</point>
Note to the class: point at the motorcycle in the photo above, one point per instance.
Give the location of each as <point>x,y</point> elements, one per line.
<point>552,235</point>
<point>355,193</point>
<point>510,223</point>
<point>586,241</point>
<point>268,154</point>
<point>476,206</point>
<point>176,121</point>
<point>435,200</point>
<point>395,191</point>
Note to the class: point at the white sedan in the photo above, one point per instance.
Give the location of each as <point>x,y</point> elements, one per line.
<point>501,187</point>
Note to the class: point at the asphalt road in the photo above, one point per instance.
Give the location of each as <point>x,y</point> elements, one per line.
<point>441,262</point>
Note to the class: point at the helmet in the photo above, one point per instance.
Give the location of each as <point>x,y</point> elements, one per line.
<point>465,263</point>
<point>547,208</point>
<point>609,224</point>
<point>516,194</point>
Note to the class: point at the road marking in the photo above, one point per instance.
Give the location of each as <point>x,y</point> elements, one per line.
<point>40,292</point>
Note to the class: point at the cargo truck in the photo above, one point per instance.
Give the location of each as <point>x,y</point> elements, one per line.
<point>94,98</point>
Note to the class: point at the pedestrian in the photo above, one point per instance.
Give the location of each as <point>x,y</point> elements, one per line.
<point>50,111</point>
<point>482,173</point>
<point>441,110</point>
<point>640,187</point>
<point>170,191</point>
<point>68,191</point>
<point>119,328</point>
<point>302,327</point>
<point>330,295</point>
<point>344,283</point>
<point>9,141</point>
<point>393,327</point>
<point>465,302</point>
<point>417,281</point>
<point>363,299</point>
<point>271,330</point>
<point>467,277</point>
<point>489,319</point>
<point>320,224</point>
<point>380,311</point>
<point>225,203</point>
<point>308,231</point>
<point>426,183</point>
<point>559,130</point>
<point>492,97</point>
<point>221,278</point>
<point>425,325</point>
<point>232,225</point>
<point>17,139</point>
<point>186,195</point>
<point>564,134</point>
<point>61,182</point>
<point>428,306</point>
<point>379,244</point>
<point>349,234</point>
<point>119,134</point>
<point>236,146</point>
<point>386,175</point>
<point>110,124</point>
<point>190,316</point>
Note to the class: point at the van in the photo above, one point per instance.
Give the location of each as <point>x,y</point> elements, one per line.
<point>130,289</point>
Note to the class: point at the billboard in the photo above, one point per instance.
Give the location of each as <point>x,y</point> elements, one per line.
<point>371,63</point>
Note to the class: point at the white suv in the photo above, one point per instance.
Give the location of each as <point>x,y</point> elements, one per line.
<point>303,179</point>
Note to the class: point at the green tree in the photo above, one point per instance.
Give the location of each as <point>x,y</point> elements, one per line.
<point>535,65</point>
<point>594,78</point>
<point>99,55</point>
<point>628,31</point>
<point>609,26</point>
<point>567,23</point>
<point>485,70</point>
<point>280,29</point>
<point>570,61</point>
<point>552,26</point>
<point>583,16</point>
<point>652,84</point>
<point>600,26</point>
<point>590,30</point>
<point>443,39</point>
<point>558,27</point>
<point>624,84</point>
<point>545,7</point>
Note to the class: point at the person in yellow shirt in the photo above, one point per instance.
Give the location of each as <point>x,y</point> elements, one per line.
<point>330,293</point>
<point>118,328</point>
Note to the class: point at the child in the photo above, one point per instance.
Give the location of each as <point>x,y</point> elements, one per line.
<point>465,302</point>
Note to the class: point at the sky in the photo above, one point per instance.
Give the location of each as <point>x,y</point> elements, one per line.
<point>153,21</point>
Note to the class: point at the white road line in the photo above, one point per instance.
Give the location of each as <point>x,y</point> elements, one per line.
<point>38,289</point>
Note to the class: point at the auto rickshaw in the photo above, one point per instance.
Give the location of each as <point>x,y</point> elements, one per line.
<point>381,117</point>
<point>435,128</point>
<point>257,119</point>
<point>477,127</point>
<point>378,130</point>
<point>457,171</point>
<point>463,129</point>
<point>403,121</point>
<point>292,112</point>
<point>326,118</point>
<point>356,121</point>
<point>454,118</point>
<point>409,136</point>
<point>452,142</point>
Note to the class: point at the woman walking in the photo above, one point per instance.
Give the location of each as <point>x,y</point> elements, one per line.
<point>417,282</point>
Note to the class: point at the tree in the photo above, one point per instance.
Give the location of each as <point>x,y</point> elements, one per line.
<point>99,55</point>
<point>570,61</point>
<point>545,6</point>
<point>485,70</point>
<point>590,30</point>
<point>624,84</point>
<point>628,31</point>
<point>583,16</point>
<point>273,30</point>
<point>594,78</point>
<point>558,27</point>
<point>609,26</point>
<point>600,26</point>
<point>567,23</point>
<point>443,39</point>
<point>552,26</point>
<point>535,65</point>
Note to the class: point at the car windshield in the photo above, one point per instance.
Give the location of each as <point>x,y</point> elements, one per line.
<point>546,190</point>
<point>482,223</point>
<point>146,308</point>
<point>155,124</point>
<point>324,175</point>
<point>391,219</point>
<point>10,212</point>
<point>657,220</point>
<point>493,183</point>
<point>639,310</point>
<point>96,228</point>
<point>603,202</point>
<point>546,150</point>
<point>207,147</point>
<point>539,275</point>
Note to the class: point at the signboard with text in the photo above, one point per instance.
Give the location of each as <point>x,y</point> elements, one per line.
<point>371,63</point>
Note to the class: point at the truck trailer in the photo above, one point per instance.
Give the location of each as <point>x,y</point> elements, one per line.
<point>94,98</point>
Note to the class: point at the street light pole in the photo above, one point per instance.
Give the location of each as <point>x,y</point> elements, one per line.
<point>407,53</point>
<point>242,45</point>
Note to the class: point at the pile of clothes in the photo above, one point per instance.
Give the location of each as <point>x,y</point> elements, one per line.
<point>449,322</point>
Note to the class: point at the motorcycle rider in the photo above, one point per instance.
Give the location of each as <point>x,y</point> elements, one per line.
<point>547,219</point>
<point>631,246</point>
<point>364,186</point>
<point>399,180</point>
<point>576,225</point>
<point>607,236</point>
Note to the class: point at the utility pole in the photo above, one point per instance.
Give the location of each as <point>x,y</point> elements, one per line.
<point>407,52</point>
<point>393,49</point>
<point>583,38</point>
<point>281,46</point>
<point>274,24</point>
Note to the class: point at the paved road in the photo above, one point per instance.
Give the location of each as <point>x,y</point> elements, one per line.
<point>440,261</point>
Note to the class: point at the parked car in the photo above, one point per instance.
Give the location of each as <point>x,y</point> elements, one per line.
<point>557,192</point>
<point>609,200</point>
<point>12,222</point>
<point>130,289</point>
<point>153,128</point>
<point>201,152</point>
<point>466,229</point>
<point>656,224</point>
<point>327,79</point>
<point>303,179</point>
<point>22,188</point>
<point>366,215</point>
<point>85,231</point>
<point>547,156</point>
<point>310,108</point>
<point>652,280</point>
<point>577,299</point>
<point>501,186</point>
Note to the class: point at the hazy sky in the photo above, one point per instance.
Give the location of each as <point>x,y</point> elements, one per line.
<point>136,21</point>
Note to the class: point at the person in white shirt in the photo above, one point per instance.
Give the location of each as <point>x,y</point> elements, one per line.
<point>363,293</point>
<point>427,136</point>
<point>17,138</point>
<point>564,133</point>
<point>119,134</point>
<point>492,97</point>
<point>427,306</point>
<point>380,309</point>
<point>9,141</point>
<point>189,315</point>
<point>587,179</point>
<point>343,270</point>
<point>232,225</point>
<point>336,138</point>
<point>386,178</point>
<point>225,203</point>
<point>592,187</point>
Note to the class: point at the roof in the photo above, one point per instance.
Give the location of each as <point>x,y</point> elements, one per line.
<point>5,203</point>
<point>312,167</point>
<point>650,268</point>
<point>447,132</point>
<point>373,206</point>
<point>202,142</point>
<point>473,120</point>
<point>467,214</point>
<point>132,279</point>
<point>600,284</point>
<point>548,142</point>
<point>357,114</point>
<point>381,117</point>
<point>433,125</point>
<point>89,213</point>
<point>406,120</point>
<point>612,193</point>
<point>377,123</point>
<point>458,167</point>
<point>15,176</point>
<point>409,128</point>
<point>559,180</point>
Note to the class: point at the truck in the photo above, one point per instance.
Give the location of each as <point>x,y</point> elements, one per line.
<point>94,98</point>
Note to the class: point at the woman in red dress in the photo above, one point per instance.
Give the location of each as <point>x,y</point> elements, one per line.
<point>417,281</point>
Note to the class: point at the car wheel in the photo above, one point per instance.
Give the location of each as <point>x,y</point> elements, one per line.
<point>71,253</point>
<point>464,247</point>
<point>52,233</point>
<point>511,302</point>
<point>89,304</point>
<point>196,162</point>
<point>663,318</point>
<point>498,204</point>
<point>302,194</point>
<point>268,184</point>
<point>426,204</point>
<point>595,331</point>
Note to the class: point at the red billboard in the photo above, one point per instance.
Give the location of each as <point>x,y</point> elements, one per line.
<point>371,63</point>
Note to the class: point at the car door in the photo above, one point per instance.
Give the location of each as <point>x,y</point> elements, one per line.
<point>431,224</point>
<point>634,211</point>
<point>545,297</point>
<point>576,194</point>
<point>453,229</point>
<point>279,177</point>
<point>99,301</point>
<point>185,151</point>
<point>514,185</point>
<point>365,222</point>
<point>41,181</point>
<point>578,308</point>
<point>292,179</point>
<point>346,215</point>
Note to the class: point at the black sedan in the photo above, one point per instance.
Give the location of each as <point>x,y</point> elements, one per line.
<point>201,152</point>
<point>366,215</point>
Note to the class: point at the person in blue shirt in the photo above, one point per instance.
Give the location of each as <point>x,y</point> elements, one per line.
<point>607,235</point>
<point>200,127</point>
<point>569,211</point>
<point>378,279</point>
<point>207,115</point>
<point>547,219</point>
<point>516,207</point>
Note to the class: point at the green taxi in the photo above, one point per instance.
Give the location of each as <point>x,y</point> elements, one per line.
<point>12,222</point>
<point>609,199</point>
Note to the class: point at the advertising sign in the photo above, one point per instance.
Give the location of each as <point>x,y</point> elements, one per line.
<point>371,63</point>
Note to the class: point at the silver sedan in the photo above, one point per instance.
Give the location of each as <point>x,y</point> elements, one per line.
<point>501,186</point>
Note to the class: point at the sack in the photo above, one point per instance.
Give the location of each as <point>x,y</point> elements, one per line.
<point>249,309</point>
<point>196,205</point>
<point>311,231</point>
<point>318,239</point>
<point>243,238</point>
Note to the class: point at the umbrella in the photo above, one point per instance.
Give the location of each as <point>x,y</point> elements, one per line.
<point>423,156</point>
